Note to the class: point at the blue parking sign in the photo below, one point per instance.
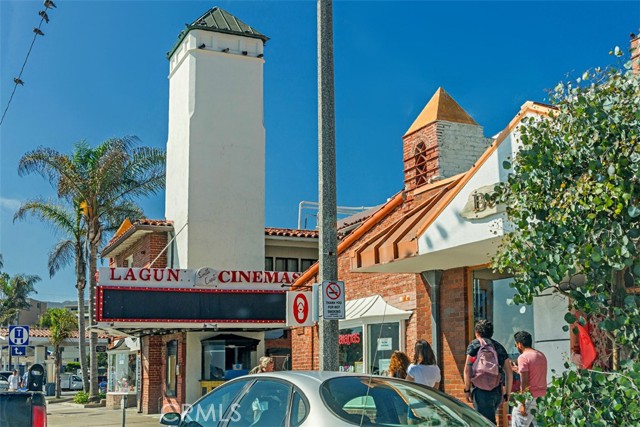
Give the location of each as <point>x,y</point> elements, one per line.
<point>18,351</point>
<point>18,335</point>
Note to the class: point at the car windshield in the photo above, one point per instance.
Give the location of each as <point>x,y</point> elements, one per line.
<point>387,402</point>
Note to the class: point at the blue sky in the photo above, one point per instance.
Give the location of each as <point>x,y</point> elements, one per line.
<point>101,71</point>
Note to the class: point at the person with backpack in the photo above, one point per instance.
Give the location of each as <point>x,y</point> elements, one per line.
<point>532,367</point>
<point>487,374</point>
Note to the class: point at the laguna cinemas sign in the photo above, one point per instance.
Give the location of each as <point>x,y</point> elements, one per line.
<point>233,279</point>
<point>206,277</point>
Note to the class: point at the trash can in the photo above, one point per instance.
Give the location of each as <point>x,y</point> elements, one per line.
<point>50,389</point>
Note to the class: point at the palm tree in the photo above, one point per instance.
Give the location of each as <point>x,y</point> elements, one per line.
<point>15,291</point>
<point>70,247</point>
<point>106,179</point>
<point>61,323</point>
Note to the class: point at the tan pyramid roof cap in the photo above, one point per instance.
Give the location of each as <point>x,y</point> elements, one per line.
<point>441,106</point>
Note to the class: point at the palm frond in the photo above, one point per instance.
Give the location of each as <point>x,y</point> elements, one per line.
<point>63,253</point>
<point>57,215</point>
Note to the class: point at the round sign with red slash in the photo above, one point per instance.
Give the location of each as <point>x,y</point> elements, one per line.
<point>300,308</point>
<point>333,291</point>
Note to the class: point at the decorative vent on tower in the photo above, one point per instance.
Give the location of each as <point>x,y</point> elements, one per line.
<point>420,156</point>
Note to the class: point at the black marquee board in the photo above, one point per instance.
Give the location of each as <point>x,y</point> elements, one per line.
<point>131,305</point>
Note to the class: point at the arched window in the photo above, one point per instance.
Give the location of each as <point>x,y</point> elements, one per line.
<point>420,156</point>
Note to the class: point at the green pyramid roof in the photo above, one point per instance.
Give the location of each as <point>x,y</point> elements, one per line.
<point>220,21</point>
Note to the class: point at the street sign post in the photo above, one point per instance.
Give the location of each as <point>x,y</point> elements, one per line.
<point>18,335</point>
<point>333,303</point>
<point>299,309</point>
<point>18,350</point>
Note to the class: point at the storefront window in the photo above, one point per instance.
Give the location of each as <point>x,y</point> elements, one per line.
<point>350,350</point>
<point>226,356</point>
<point>213,365</point>
<point>384,339</point>
<point>122,373</point>
<point>172,368</point>
<point>493,301</point>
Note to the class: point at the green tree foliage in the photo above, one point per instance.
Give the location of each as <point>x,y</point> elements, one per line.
<point>105,181</point>
<point>61,323</point>
<point>573,198</point>
<point>15,293</point>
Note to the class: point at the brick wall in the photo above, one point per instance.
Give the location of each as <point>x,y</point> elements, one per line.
<point>151,387</point>
<point>144,251</point>
<point>460,146</point>
<point>452,148</point>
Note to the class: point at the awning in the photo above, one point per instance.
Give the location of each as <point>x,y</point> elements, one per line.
<point>373,309</point>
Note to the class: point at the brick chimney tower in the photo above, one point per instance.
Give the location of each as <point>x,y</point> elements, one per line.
<point>442,142</point>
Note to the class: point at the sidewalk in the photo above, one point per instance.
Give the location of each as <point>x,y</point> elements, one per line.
<point>66,415</point>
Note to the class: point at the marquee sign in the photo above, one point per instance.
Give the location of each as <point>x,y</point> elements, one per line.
<point>152,295</point>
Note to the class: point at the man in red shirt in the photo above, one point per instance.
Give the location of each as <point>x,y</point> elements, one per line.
<point>532,367</point>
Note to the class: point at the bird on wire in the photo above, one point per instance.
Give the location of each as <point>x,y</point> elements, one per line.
<point>17,81</point>
<point>38,31</point>
<point>49,4</point>
<point>44,16</point>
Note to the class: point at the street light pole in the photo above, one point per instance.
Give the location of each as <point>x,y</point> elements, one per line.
<point>328,329</point>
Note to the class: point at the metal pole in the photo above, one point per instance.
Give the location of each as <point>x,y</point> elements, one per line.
<point>328,329</point>
<point>123,404</point>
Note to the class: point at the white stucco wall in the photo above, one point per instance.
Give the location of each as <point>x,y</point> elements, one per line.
<point>216,152</point>
<point>450,229</point>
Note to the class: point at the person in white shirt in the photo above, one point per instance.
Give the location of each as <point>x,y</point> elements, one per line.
<point>424,369</point>
<point>14,380</point>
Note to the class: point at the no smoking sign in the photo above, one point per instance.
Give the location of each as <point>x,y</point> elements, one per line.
<point>333,305</point>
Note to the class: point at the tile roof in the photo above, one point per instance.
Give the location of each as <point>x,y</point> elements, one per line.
<point>400,239</point>
<point>441,106</point>
<point>46,333</point>
<point>220,21</point>
<point>290,232</point>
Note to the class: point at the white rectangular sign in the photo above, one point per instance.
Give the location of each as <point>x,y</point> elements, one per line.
<point>299,309</point>
<point>333,303</point>
<point>384,344</point>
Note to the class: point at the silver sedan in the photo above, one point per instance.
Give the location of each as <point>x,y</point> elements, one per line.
<point>319,399</point>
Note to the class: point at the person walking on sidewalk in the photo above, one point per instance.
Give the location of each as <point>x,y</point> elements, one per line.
<point>532,367</point>
<point>487,374</point>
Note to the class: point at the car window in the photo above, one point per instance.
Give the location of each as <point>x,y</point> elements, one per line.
<point>387,402</point>
<point>215,406</point>
<point>299,409</point>
<point>265,404</point>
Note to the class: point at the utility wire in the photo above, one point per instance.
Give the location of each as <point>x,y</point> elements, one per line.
<point>17,80</point>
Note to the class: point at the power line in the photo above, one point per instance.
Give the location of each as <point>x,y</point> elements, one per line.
<point>37,31</point>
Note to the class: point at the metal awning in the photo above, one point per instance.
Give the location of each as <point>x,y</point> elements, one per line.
<point>373,309</point>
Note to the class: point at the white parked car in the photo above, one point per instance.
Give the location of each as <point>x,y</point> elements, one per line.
<point>333,399</point>
<point>70,382</point>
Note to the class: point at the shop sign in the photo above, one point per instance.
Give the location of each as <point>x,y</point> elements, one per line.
<point>299,309</point>
<point>210,278</point>
<point>480,204</point>
<point>204,278</point>
<point>153,277</point>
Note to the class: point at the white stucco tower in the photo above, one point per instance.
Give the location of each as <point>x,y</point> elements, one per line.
<point>216,144</point>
